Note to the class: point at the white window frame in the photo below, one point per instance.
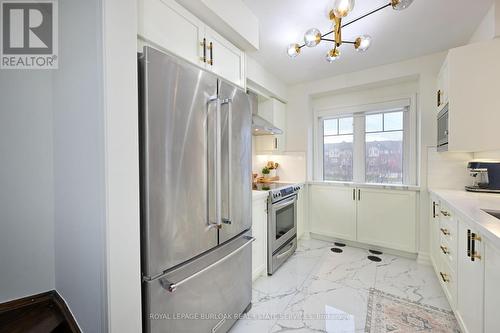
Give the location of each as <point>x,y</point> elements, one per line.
<point>358,112</point>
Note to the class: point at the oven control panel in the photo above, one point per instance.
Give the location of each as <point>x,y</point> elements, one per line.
<point>284,192</point>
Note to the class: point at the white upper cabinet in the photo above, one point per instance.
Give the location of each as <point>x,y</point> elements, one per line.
<point>442,87</point>
<point>167,25</point>
<point>225,59</point>
<point>469,82</point>
<point>273,111</point>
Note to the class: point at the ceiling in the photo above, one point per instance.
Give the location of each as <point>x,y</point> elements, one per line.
<point>424,28</point>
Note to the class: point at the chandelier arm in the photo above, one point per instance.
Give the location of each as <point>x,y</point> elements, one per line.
<point>363,16</point>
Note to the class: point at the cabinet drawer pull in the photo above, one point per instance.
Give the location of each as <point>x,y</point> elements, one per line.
<point>354,194</point>
<point>473,254</point>
<point>475,237</point>
<point>444,277</point>
<point>434,205</point>
<point>445,231</point>
<point>445,213</point>
<point>444,249</point>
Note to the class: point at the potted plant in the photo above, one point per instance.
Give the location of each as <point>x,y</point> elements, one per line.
<point>265,172</point>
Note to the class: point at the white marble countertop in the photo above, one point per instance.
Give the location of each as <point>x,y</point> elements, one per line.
<point>256,195</point>
<point>415,188</point>
<point>470,205</point>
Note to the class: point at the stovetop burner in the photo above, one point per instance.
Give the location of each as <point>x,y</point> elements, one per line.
<point>269,186</point>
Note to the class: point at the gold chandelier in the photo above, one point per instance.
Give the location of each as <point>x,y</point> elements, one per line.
<point>341,8</point>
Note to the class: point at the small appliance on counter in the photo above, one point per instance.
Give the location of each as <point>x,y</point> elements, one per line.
<point>485,176</point>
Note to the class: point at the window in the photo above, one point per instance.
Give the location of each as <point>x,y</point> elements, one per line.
<point>338,149</point>
<point>367,146</point>
<point>384,148</point>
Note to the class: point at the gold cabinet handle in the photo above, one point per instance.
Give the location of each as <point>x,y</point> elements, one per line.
<point>204,45</point>
<point>475,255</point>
<point>444,231</point>
<point>445,213</point>
<point>444,249</point>
<point>211,49</point>
<point>444,277</point>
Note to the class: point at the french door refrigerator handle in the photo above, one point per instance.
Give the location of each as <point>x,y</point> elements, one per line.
<point>172,286</point>
<point>229,103</point>
<point>218,208</point>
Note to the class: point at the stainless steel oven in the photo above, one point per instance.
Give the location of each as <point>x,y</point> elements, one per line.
<point>282,226</point>
<point>442,129</point>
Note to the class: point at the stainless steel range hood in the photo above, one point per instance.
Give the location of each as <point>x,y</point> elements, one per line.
<point>261,126</point>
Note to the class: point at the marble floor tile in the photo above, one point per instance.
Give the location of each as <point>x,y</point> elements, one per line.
<point>318,290</point>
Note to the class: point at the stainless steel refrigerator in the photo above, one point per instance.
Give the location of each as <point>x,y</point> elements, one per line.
<point>195,153</point>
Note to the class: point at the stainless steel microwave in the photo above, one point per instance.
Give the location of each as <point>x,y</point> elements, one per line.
<point>442,129</point>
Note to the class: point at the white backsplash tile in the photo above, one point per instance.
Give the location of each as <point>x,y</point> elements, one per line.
<point>292,165</point>
<point>447,170</point>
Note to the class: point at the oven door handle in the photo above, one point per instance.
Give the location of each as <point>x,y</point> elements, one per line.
<point>284,203</point>
<point>281,255</point>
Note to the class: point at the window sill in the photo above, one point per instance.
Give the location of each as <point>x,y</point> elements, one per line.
<point>414,188</point>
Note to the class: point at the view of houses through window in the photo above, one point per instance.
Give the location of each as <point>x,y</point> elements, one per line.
<point>384,148</point>
<point>383,142</point>
<point>338,149</point>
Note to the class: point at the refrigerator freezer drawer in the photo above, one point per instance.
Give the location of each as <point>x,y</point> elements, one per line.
<point>205,295</point>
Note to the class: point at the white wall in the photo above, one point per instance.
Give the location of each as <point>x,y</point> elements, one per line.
<point>79,164</point>
<point>489,27</point>
<point>425,69</point>
<point>26,184</point>
<point>266,83</point>
<point>122,167</point>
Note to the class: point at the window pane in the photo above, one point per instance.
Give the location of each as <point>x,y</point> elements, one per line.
<point>384,157</point>
<point>345,125</point>
<point>374,122</point>
<point>393,121</point>
<point>337,158</point>
<point>330,127</point>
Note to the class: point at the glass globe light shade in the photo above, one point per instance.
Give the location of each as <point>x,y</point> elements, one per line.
<point>332,55</point>
<point>362,43</point>
<point>293,50</point>
<point>342,8</point>
<point>312,37</point>
<point>401,4</point>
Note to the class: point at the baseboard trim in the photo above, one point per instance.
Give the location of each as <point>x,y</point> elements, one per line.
<point>49,296</point>
<point>365,246</point>
<point>424,258</point>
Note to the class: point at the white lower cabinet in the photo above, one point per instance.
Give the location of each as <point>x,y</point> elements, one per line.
<point>470,278</point>
<point>467,266</point>
<point>492,289</point>
<point>387,218</point>
<point>301,212</point>
<point>259,231</point>
<point>434,241</point>
<point>332,211</point>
